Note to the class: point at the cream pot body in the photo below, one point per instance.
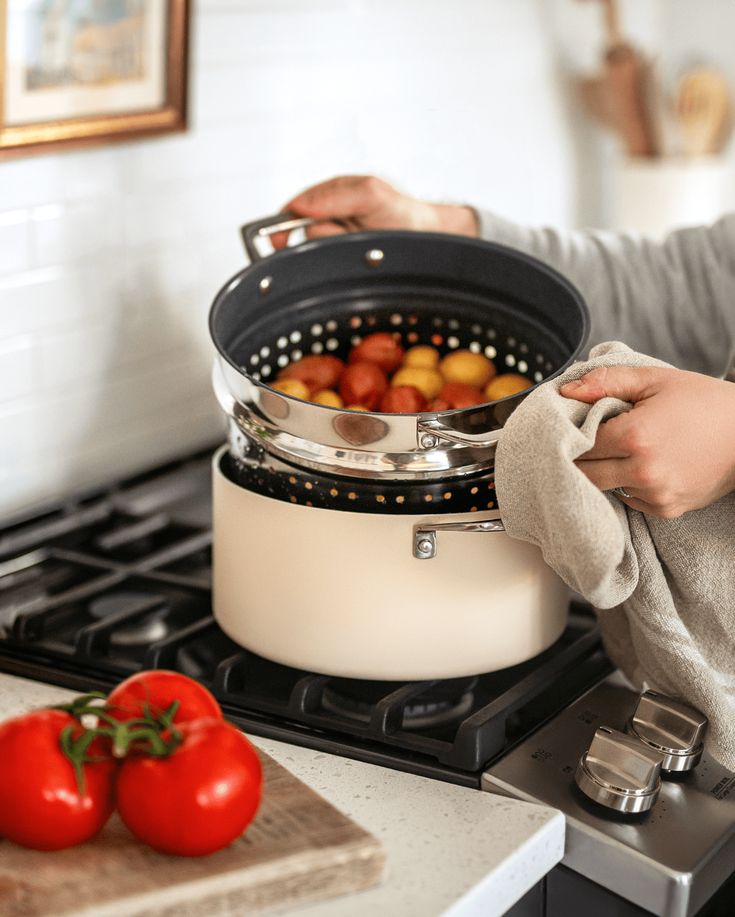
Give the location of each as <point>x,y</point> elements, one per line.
<point>342,593</point>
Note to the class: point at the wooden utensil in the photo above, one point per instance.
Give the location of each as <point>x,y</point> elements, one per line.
<point>619,96</point>
<point>703,111</point>
<point>299,848</point>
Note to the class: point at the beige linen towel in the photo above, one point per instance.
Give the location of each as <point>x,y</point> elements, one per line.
<point>664,588</point>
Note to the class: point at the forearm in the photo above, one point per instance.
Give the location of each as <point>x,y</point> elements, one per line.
<point>458,219</point>
<point>674,300</point>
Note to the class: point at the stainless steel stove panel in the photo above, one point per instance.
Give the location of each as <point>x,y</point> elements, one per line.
<point>669,860</point>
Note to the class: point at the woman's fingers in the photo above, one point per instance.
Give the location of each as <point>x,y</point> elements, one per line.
<point>612,440</point>
<point>629,383</point>
<point>347,196</point>
<point>345,203</point>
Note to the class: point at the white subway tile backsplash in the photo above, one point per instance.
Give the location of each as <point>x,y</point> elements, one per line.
<point>181,213</point>
<point>17,439</point>
<point>40,478</point>
<point>15,246</point>
<point>17,360</point>
<point>96,172</point>
<point>59,295</point>
<point>27,182</point>
<point>63,234</point>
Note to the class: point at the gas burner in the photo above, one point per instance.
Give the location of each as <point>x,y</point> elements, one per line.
<point>142,615</point>
<point>438,703</point>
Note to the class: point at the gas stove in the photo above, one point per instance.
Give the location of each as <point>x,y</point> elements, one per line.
<point>117,579</point>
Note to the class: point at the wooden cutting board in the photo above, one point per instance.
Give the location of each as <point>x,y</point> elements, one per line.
<point>299,848</point>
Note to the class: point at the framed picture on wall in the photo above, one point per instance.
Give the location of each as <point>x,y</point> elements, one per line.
<point>81,72</point>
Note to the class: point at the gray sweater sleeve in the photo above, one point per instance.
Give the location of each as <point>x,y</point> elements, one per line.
<point>674,299</point>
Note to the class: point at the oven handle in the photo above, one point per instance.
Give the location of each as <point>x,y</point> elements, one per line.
<point>424,535</point>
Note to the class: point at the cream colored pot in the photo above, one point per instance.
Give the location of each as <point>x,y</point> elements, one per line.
<point>344,593</point>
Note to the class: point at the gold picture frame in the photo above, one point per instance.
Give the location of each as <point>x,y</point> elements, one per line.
<point>80,96</point>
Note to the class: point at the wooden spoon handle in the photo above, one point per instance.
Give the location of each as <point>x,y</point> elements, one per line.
<point>628,78</point>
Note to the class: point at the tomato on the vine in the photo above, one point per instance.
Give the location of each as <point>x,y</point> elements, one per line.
<point>197,799</point>
<point>152,693</point>
<point>45,803</point>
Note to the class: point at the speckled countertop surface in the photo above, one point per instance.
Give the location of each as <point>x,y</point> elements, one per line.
<point>451,850</point>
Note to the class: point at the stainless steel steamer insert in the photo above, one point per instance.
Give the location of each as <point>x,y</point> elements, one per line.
<point>323,296</point>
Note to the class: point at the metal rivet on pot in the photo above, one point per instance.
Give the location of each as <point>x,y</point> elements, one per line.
<point>428,441</point>
<point>424,544</point>
<point>373,257</point>
<point>265,285</point>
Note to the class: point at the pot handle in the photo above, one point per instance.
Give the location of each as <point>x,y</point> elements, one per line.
<point>433,432</point>
<point>279,222</point>
<point>424,535</point>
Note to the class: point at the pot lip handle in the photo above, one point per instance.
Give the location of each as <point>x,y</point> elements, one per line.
<point>424,534</point>
<point>266,226</point>
<point>434,431</point>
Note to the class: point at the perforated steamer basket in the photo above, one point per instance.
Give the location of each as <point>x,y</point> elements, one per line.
<point>321,515</point>
<point>325,295</point>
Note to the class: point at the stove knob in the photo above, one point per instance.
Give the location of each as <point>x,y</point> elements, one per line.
<point>619,772</point>
<point>671,728</point>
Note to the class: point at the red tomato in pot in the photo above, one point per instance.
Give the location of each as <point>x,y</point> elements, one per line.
<point>152,692</point>
<point>41,805</point>
<point>363,383</point>
<point>381,348</point>
<point>196,800</point>
<point>403,399</point>
<point>461,395</point>
<point>316,371</point>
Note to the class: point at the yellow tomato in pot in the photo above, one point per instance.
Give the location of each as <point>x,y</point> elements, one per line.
<point>294,387</point>
<point>467,367</point>
<point>427,381</point>
<point>328,398</point>
<point>422,356</point>
<point>506,384</point>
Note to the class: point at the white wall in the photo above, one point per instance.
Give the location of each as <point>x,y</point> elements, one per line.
<point>109,258</point>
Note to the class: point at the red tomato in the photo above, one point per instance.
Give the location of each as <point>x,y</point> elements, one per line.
<point>198,799</point>
<point>403,399</point>
<point>461,395</point>
<point>381,348</point>
<point>363,383</point>
<point>40,803</point>
<point>316,371</point>
<point>154,691</point>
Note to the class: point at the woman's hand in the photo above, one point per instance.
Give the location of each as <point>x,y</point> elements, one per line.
<point>675,450</point>
<point>354,202</point>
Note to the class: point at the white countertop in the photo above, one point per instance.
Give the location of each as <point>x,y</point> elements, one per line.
<point>451,850</point>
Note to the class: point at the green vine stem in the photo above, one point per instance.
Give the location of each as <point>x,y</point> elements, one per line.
<point>152,734</point>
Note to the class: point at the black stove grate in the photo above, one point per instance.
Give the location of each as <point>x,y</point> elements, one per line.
<point>113,582</point>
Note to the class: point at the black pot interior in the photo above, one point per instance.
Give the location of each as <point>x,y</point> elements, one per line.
<point>448,291</point>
